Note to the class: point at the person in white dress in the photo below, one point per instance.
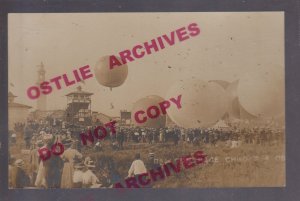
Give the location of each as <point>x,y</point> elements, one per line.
<point>68,169</point>
<point>40,180</point>
<point>78,173</point>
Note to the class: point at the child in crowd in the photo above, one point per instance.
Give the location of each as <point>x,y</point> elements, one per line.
<point>89,179</point>
<point>78,173</point>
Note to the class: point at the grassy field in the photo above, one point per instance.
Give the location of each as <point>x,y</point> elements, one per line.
<point>249,165</point>
<point>245,166</point>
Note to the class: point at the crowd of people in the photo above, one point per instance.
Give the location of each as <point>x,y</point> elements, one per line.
<point>71,169</point>
<point>199,136</point>
<point>75,169</point>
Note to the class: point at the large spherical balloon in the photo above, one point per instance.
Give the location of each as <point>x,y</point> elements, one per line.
<point>144,104</point>
<point>262,93</point>
<point>110,77</point>
<point>203,103</point>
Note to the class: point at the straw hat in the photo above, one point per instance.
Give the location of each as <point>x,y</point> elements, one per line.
<point>78,163</point>
<point>47,137</point>
<point>19,163</point>
<point>90,164</point>
<point>11,159</point>
<point>42,133</point>
<point>151,155</point>
<point>39,143</point>
<point>87,159</point>
<point>67,142</point>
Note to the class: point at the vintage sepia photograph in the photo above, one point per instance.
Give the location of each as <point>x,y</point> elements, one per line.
<point>146,100</point>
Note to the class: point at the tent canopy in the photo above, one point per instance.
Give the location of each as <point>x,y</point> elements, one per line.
<point>221,125</point>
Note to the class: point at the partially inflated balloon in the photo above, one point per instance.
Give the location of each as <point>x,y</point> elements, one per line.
<point>231,89</point>
<point>203,103</point>
<point>262,93</point>
<point>143,104</point>
<point>235,109</point>
<point>110,77</point>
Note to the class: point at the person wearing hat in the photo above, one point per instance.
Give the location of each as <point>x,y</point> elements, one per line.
<point>113,174</point>
<point>40,180</point>
<point>162,135</point>
<point>34,159</point>
<point>152,163</point>
<point>120,138</point>
<point>150,136</point>
<point>68,167</point>
<point>53,170</point>
<point>78,173</point>
<point>22,179</point>
<point>114,145</point>
<point>28,132</point>
<point>143,135</point>
<point>98,146</point>
<point>86,160</point>
<point>89,179</point>
<point>11,172</point>
<point>13,138</point>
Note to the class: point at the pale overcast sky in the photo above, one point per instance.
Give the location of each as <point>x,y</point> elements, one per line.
<point>229,46</point>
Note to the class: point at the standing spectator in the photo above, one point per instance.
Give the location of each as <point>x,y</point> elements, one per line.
<point>78,173</point>
<point>98,146</point>
<point>68,168</point>
<point>11,172</point>
<point>176,132</point>
<point>150,136</point>
<point>28,135</point>
<point>161,135</point>
<point>13,138</point>
<point>120,138</point>
<point>40,180</point>
<point>143,135</point>
<point>153,163</point>
<point>174,135</point>
<point>183,134</point>
<point>113,174</point>
<point>22,179</point>
<point>53,171</point>
<point>136,136</point>
<point>34,160</point>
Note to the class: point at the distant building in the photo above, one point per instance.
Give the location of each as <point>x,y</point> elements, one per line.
<point>17,113</point>
<point>41,103</point>
<point>79,107</point>
<point>100,118</point>
<point>39,115</point>
<point>125,119</point>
